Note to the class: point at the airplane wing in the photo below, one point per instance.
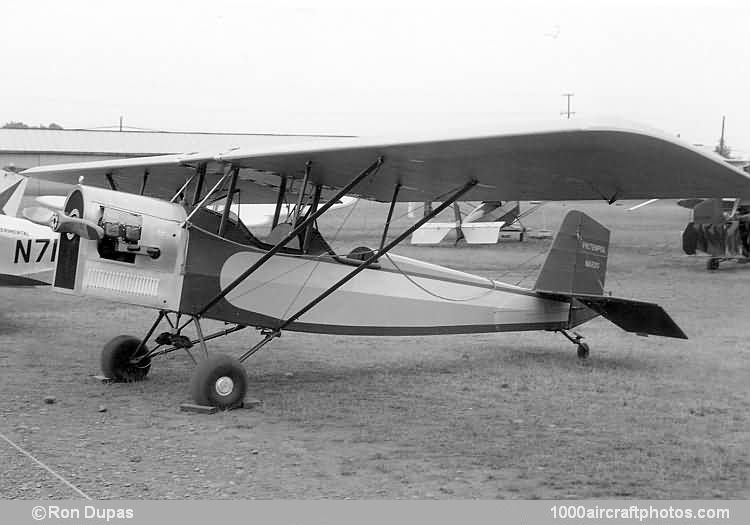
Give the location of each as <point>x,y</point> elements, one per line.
<point>562,161</point>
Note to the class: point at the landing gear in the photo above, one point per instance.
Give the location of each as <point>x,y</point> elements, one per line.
<point>125,359</point>
<point>582,349</point>
<point>219,381</point>
<point>712,264</point>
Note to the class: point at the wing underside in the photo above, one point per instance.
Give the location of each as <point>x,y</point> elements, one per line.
<point>555,163</point>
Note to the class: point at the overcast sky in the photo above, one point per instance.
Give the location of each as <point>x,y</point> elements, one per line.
<point>234,66</point>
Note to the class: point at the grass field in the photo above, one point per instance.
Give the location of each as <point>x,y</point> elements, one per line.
<point>481,416</point>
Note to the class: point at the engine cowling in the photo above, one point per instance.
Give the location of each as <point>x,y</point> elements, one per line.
<point>137,258</point>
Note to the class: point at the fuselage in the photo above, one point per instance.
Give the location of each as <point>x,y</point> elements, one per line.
<point>27,252</point>
<point>397,296</point>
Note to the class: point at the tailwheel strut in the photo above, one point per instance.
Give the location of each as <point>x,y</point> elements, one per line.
<point>577,339</point>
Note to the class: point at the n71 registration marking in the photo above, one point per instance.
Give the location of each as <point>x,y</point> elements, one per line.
<point>26,247</point>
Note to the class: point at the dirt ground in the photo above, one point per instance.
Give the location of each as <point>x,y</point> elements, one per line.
<point>512,415</point>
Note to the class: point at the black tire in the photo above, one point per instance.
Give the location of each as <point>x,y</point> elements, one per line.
<point>118,363</point>
<point>712,264</point>
<point>217,373</point>
<point>583,351</point>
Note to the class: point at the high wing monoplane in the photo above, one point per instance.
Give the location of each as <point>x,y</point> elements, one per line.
<point>191,263</point>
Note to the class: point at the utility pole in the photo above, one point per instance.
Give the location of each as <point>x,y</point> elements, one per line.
<point>721,140</point>
<point>120,122</point>
<point>568,112</point>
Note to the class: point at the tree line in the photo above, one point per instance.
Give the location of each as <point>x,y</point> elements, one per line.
<point>21,125</point>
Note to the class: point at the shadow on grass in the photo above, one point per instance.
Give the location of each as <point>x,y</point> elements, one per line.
<point>535,359</point>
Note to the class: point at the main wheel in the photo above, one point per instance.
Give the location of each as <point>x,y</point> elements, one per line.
<point>583,351</point>
<point>219,381</point>
<point>119,361</point>
<point>712,264</point>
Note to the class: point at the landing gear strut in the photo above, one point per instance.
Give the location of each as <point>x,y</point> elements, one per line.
<point>219,381</point>
<point>577,339</point>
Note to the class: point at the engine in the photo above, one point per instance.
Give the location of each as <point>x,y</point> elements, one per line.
<point>131,248</point>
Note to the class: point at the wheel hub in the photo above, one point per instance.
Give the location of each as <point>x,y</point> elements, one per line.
<point>224,386</point>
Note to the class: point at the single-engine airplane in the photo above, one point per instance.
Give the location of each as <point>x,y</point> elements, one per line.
<point>27,250</point>
<point>719,228</point>
<point>191,263</point>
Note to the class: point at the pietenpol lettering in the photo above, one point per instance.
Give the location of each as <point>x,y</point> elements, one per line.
<point>593,247</point>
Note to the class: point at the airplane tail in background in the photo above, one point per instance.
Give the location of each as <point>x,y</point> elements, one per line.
<point>12,187</point>
<point>576,267</point>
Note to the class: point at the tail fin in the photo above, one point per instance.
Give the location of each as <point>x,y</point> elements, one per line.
<point>576,266</point>
<point>577,262</point>
<point>12,186</point>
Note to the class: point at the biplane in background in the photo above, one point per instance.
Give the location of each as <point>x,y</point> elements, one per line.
<point>191,263</point>
<point>486,223</point>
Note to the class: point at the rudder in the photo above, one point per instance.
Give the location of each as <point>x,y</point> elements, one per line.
<point>577,261</point>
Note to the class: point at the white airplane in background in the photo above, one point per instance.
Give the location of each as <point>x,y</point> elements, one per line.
<point>28,250</point>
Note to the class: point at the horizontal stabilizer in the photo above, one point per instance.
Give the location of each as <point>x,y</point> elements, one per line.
<point>634,316</point>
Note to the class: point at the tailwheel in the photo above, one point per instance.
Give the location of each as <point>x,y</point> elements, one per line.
<point>119,362</point>
<point>219,381</point>
<point>576,339</point>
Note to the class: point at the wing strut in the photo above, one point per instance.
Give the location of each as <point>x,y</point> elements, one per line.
<point>143,182</point>
<point>371,169</point>
<point>367,262</point>
<point>228,204</point>
<point>390,215</point>
<point>314,206</point>
<point>301,196</point>
<point>201,172</point>
<point>279,202</point>
<point>208,195</point>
